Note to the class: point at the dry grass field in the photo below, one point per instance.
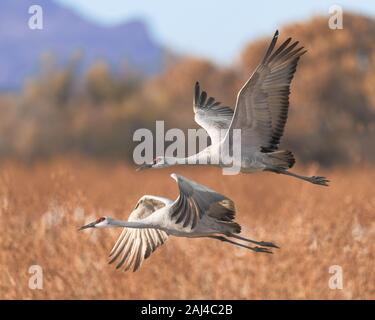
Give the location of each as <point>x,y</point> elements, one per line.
<point>42,205</point>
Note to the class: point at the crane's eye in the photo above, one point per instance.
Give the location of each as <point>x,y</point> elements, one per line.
<point>100,219</point>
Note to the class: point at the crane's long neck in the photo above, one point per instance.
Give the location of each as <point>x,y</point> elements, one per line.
<point>202,157</point>
<point>130,224</point>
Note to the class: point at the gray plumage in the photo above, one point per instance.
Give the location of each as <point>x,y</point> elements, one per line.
<point>260,115</point>
<point>198,212</point>
<point>211,115</point>
<point>135,245</point>
<point>262,103</point>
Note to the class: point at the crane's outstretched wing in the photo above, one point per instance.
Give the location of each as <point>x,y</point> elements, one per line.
<point>197,202</point>
<point>210,115</point>
<point>135,245</point>
<point>262,103</point>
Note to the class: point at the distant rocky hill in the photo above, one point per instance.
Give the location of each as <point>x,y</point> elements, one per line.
<point>332,103</point>
<point>64,33</point>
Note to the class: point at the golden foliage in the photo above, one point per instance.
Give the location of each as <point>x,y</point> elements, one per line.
<point>42,206</point>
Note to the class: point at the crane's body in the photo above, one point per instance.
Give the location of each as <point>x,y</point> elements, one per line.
<point>198,212</point>
<point>254,162</point>
<point>259,117</point>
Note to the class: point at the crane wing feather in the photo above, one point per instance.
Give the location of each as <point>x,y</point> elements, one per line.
<point>211,115</point>
<point>135,245</point>
<point>262,103</point>
<point>196,201</point>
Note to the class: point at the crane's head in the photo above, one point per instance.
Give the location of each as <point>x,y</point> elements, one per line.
<point>158,162</point>
<point>102,222</point>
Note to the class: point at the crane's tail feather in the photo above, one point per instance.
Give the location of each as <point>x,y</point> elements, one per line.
<point>281,159</point>
<point>230,226</point>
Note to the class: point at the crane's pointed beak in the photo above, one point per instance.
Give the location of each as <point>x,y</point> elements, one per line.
<point>90,225</point>
<point>144,166</point>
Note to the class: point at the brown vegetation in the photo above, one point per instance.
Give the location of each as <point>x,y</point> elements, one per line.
<point>316,227</point>
<point>59,113</point>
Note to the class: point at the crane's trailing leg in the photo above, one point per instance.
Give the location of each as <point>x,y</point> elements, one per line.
<point>255,249</point>
<point>322,181</point>
<point>258,243</point>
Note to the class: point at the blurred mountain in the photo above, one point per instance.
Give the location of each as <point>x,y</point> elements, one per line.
<point>332,103</point>
<point>65,33</point>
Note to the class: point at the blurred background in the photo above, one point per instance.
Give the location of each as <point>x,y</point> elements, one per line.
<point>97,71</point>
<point>73,93</point>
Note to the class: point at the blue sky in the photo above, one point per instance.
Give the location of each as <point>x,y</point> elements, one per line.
<point>214,29</point>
